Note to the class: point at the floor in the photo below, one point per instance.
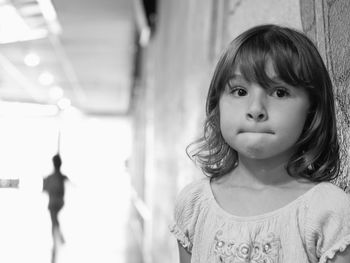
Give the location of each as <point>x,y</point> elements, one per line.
<point>98,223</point>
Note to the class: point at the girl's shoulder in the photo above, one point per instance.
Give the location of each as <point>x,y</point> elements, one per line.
<point>193,197</point>
<point>189,205</point>
<point>327,224</point>
<point>194,191</point>
<point>330,191</point>
<point>329,198</point>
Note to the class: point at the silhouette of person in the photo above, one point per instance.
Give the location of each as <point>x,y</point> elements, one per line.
<point>55,188</point>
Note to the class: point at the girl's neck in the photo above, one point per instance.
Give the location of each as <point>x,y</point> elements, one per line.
<point>257,173</point>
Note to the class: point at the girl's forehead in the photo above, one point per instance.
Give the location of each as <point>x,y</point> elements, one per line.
<point>268,71</point>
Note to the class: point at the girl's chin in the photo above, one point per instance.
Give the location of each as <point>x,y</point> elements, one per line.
<point>257,150</point>
<point>255,155</point>
<point>263,153</point>
<point>261,150</point>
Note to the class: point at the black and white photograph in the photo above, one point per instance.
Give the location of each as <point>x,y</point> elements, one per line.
<point>175,131</point>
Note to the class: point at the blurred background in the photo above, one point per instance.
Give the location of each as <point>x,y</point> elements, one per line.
<point>118,87</point>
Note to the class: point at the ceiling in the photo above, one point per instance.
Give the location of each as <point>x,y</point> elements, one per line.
<point>89,52</point>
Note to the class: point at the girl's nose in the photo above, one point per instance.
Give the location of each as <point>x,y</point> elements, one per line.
<point>256,110</point>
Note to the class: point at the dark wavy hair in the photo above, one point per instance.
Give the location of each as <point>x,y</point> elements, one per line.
<point>298,63</point>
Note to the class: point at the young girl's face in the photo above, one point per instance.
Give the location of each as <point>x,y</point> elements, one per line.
<point>262,123</point>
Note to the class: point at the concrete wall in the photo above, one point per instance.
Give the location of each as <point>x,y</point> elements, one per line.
<point>175,100</point>
<point>190,36</point>
<point>328,23</point>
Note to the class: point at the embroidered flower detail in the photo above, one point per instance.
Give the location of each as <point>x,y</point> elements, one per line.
<point>244,251</point>
<point>264,249</point>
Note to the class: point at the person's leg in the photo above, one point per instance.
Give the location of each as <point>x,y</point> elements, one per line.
<point>54,225</point>
<point>54,218</point>
<point>56,230</point>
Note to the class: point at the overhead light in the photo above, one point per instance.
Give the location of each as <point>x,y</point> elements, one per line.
<point>46,78</point>
<point>32,60</point>
<point>145,36</point>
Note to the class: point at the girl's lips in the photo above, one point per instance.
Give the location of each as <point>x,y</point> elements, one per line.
<point>256,131</point>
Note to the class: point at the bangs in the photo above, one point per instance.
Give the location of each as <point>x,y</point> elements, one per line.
<point>254,53</point>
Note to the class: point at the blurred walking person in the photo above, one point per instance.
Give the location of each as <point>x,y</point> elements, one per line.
<point>54,185</point>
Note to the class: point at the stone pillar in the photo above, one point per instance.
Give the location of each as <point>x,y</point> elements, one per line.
<point>239,15</point>
<point>327,22</point>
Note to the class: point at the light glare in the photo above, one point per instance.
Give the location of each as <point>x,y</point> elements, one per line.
<point>32,60</point>
<point>46,78</point>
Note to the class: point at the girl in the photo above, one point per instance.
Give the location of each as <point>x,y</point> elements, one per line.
<point>269,150</point>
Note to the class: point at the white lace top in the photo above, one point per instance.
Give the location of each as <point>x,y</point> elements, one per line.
<point>312,228</point>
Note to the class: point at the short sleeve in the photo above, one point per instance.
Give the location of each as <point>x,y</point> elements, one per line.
<point>328,223</point>
<point>187,209</point>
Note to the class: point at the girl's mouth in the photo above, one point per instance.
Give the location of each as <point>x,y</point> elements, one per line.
<point>267,131</point>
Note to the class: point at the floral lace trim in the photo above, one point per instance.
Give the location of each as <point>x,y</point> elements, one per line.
<point>338,247</point>
<point>181,237</point>
<point>265,249</point>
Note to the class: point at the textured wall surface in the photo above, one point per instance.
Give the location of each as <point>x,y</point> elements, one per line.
<point>328,24</point>
<point>240,15</point>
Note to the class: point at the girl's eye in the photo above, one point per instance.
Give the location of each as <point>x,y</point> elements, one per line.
<point>239,92</point>
<point>280,93</point>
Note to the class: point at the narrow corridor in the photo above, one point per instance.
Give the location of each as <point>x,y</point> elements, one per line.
<point>97,219</point>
